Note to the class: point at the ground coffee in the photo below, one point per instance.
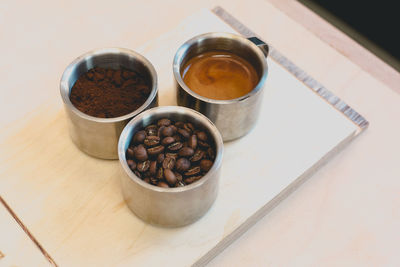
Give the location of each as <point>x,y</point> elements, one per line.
<point>109,93</point>
<point>170,154</point>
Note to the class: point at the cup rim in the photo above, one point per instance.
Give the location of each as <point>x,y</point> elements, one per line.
<point>180,54</point>
<point>123,139</point>
<point>98,52</point>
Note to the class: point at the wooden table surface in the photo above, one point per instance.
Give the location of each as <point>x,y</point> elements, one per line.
<point>348,213</point>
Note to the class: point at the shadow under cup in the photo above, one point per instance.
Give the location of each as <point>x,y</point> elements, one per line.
<point>235,117</point>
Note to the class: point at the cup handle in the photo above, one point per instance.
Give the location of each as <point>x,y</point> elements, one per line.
<point>263,46</point>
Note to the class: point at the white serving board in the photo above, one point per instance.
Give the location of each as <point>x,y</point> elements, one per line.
<point>73,204</point>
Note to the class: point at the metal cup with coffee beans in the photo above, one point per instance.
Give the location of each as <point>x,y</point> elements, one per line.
<point>170,153</point>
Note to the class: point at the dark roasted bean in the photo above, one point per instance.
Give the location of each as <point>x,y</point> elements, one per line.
<point>138,174</point>
<point>154,181</point>
<point>206,165</point>
<point>182,164</point>
<point>153,168</point>
<point>167,141</point>
<point>192,142</point>
<point>140,153</point>
<point>151,130</point>
<point>168,163</point>
<point>154,151</point>
<point>179,124</point>
<point>139,137</point>
<point>202,144</point>
<point>143,166</point>
<point>184,133</point>
<point>152,140</point>
<point>188,126</point>
<point>174,129</point>
<point>192,179</point>
<point>202,136</point>
<point>160,158</point>
<point>160,173</point>
<point>193,171</point>
<point>130,153</point>
<point>163,122</point>
<point>170,177</point>
<point>175,146</point>
<point>178,176</point>
<point>131,164</point>
<point>211,153</point>
<point>198,155</point>
<point>162,184</point>
<point>167,131</point>
<point>186,152</point>
<point>172,155</point>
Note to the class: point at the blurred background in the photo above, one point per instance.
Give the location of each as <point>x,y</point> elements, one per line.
<point>373,24</point>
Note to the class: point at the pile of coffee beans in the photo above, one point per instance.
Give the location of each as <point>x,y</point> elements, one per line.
<point>170,154</point>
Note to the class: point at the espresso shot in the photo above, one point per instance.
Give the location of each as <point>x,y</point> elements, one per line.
<point>219,75</point>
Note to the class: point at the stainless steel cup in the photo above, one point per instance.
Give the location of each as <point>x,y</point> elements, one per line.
<point>98,137</point>
<point>233,118</point>
<point>177,206</point>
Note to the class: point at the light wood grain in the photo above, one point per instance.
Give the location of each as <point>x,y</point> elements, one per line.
<point>16,248</point>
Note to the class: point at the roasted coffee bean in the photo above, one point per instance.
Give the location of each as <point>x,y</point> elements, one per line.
<point>159,131</point>
<point>177,137</point>
<point>206,165</point>
<point>143,166</point>
<point>151,130</point>
<point>203,144</point>
<point>211,153</point>
<point>202,136</point>
<point>184,133</point>
<point>152,140</point>
<point>164,122</point>
<point>178,176</point>
<point>182,164</point>
<point>180,184</point>
<point>154,181</point>
<point>174,129</point>
<point>167,131</point>
<point>139,137</point>
<point>160,173</point>
<point>167,141</point>
<point>154,151</point>
<point>137,173</point>
<point>130,153</point>
<point>192,142</point>
<point>172,155</point>
<point>162,184</point>
<point>192,179</point>
<point>160,158</point>
<point>175,146</point>
<point>193,171</point>
<point>153,168</point>
<point>168,163</point>
<point>179,124</point>
<point>186,152</point>
<point>189,127</point>
<point>140,153</point>
<point>131,164</point>
<point>198,155</point>
<point>170,177</point>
